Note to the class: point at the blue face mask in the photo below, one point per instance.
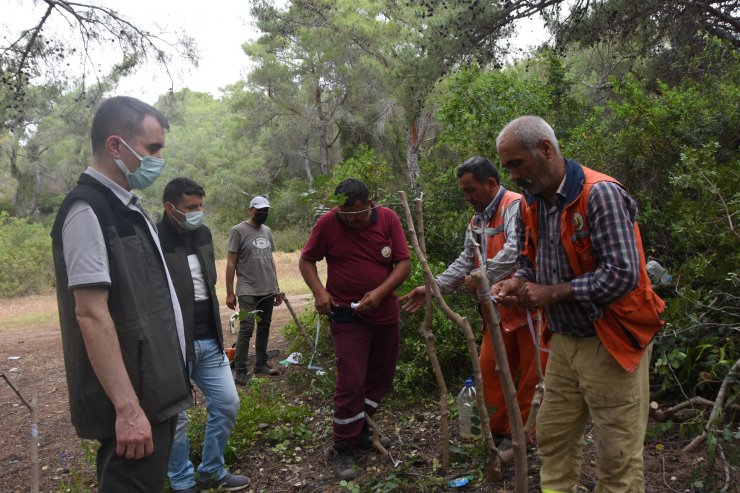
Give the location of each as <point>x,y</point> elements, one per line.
<point>148,171</point>
<point>193,220</point>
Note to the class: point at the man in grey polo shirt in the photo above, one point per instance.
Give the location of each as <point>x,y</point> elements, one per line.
<point>250,258</point>
<point>122,330</point>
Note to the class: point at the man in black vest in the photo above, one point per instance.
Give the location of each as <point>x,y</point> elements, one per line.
<point>187,245</point>
<point>122,330</point>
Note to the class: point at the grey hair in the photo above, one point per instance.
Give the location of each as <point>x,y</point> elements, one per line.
<point>528,132</point>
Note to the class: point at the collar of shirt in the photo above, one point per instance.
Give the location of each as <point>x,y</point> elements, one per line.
<point>490,210</point>
<point>561,193</point>
<point>123,195</point>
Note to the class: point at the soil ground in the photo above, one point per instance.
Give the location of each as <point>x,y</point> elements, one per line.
<point>32,358</point>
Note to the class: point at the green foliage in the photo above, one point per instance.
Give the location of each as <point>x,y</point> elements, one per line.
<point>477,103</point>
<point>290,239</point>
<point>367,166</point>
<point>263,413</point>
<point>414,370</point>
<point>25,254</point>
<point>350,486</point>
<point>675,150</point>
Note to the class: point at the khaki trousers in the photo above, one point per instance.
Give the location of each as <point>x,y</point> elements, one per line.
<point>584,380</point>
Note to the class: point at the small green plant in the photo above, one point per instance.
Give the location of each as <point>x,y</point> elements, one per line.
<point>288,441</point>
<point>261,408</point>
<point>350,486</point>
<point>82,480</point>
<point>658,430</point>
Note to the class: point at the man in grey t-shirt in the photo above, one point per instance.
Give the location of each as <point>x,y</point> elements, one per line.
<point>250,257</point>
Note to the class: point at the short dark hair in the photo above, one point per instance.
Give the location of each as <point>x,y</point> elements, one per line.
<point>481,168</point>
<point>121,115</point>
<point>353,190</point>
<point>180,186</point>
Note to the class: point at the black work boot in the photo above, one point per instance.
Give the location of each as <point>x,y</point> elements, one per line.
<point>265,369</point>
<point>242,378</point>
<point>344,461</point>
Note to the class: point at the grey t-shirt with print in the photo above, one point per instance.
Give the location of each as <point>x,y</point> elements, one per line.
<point>255,268</point>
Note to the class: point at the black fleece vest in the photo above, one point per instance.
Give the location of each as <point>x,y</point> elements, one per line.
<point>140,305</point>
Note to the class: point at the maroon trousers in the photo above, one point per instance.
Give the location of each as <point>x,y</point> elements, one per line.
<point>366,356</point>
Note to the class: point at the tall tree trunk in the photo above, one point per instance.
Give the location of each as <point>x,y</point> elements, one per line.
<point>307,164</point>
<point>25,201</point>
<point>412,156</point>
<point>323,138</point>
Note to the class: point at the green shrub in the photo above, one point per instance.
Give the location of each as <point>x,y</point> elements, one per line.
<point>290,239</point>
<point>25,254</point>
<point>414,370</point>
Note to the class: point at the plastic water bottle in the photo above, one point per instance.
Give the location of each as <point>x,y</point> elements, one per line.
<point>658,274</point>
<point>467,410</point>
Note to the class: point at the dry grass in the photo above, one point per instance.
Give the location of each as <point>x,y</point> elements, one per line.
<point>28,311</point>
<point>35,311</point>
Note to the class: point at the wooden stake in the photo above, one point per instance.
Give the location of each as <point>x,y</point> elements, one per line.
<point>35,441</point>
<point>493,466</point>
<point>493,323</point>
<point>298,323</point>
<point>34,445</point>
<point>429,343</point>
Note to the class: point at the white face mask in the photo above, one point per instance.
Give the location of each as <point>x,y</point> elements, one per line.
<point>193,220</point>
<point>149,169</point>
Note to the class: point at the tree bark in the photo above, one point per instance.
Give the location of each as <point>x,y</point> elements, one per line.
<point>493,323</point>
<point>323,140</point>
<point>412,156</point>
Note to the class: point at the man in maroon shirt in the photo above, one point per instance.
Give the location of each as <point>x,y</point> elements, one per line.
<point>367,259</point>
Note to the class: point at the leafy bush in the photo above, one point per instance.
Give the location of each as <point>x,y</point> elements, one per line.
<point>414,371</point>
<point>25,254</point>
<point>673,146</point>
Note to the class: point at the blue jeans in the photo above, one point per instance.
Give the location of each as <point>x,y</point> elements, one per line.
<point>212,374</point>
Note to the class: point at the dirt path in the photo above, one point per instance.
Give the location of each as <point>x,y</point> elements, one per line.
<point>32,358</point>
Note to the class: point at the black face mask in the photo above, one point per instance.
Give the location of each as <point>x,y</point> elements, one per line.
<point>259,217</point>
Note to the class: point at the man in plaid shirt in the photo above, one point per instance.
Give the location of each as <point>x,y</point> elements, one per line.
<point>580,257</point>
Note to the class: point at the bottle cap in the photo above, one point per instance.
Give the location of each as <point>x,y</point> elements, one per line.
<point>470,382</point>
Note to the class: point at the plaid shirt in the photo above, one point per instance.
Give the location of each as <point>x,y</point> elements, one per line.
<point>611,214</point>
<point>498,267</point>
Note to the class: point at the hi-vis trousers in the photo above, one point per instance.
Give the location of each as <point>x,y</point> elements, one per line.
<point>366,356</point>
<point>520,352</point>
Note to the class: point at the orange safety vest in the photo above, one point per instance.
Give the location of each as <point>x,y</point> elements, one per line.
<point>511,317</point>
<point>629,324</point>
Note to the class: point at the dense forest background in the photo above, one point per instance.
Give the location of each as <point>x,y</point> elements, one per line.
<point>397,93</point>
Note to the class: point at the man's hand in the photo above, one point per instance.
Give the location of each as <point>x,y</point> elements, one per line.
<point>133,434</point>
<point>414,300</point>
<point>506,291</point>
<point>278,299</point>
<point>533,295</point>
<point>324,302</point>
<point>370,301</point>
<point>471,286</point>
<point>231,301</point>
